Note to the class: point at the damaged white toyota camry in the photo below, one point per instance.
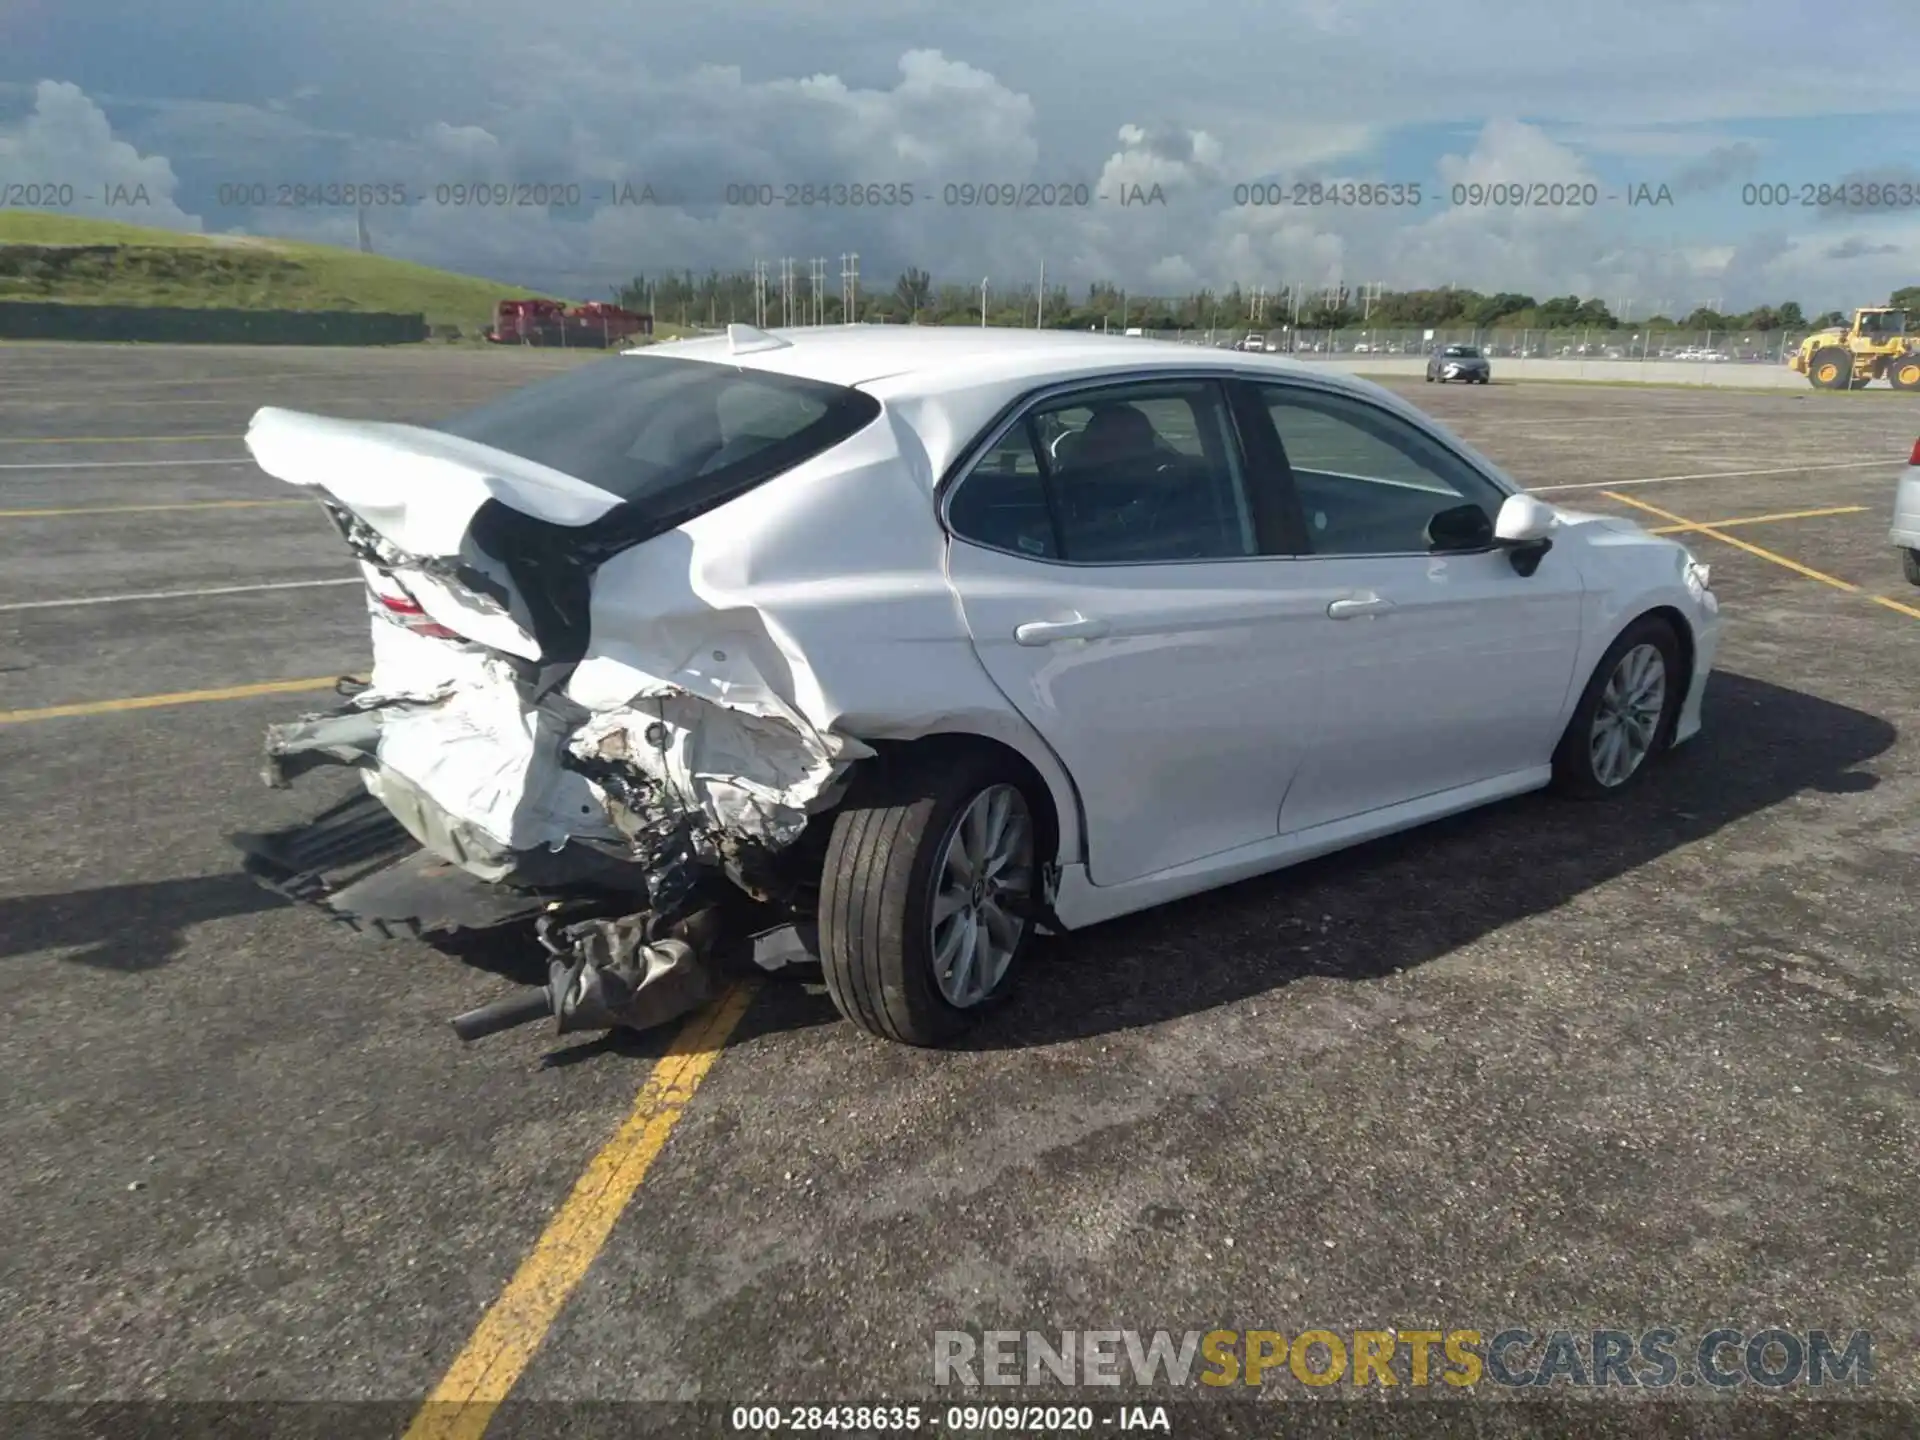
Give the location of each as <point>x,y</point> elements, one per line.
<point>885,649</point>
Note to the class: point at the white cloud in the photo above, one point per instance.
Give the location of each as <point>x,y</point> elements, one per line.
<point>930,118</point>
<point>66,142</point>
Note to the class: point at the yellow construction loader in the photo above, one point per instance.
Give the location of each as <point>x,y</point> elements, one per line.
<point>1875,346</point>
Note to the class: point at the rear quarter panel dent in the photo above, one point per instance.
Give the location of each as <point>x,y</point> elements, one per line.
<point>824,591</point>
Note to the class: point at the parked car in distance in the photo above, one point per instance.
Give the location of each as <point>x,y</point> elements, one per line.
<point>1906,516</point>
<point>1459,362</point>
<point>893,647</point>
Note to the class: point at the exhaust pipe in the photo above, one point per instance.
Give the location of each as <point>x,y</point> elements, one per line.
<point>507,1014</point>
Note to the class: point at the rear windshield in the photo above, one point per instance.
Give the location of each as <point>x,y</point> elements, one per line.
<point>673,437</point>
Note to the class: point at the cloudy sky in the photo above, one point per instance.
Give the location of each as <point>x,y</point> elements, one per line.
<point>195,102</point>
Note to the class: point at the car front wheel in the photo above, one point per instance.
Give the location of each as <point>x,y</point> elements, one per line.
<point>925,900</point>
<point>1625,714</point>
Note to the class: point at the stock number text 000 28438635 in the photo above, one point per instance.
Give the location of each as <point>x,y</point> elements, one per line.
<point>892,194</point>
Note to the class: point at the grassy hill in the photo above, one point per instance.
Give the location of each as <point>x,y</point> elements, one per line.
<point>136,265</point>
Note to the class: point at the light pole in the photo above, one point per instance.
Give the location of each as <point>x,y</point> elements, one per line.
<point>983,301</point>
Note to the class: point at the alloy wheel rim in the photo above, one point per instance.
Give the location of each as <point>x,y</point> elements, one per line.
<point>1628,715</point>
<point>985,868</point>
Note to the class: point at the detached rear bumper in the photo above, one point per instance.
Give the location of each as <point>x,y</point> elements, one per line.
<point>358,865</point>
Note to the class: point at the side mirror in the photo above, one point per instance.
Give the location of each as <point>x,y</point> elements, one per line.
<point>1523,527</point>
<point>1522,520</point>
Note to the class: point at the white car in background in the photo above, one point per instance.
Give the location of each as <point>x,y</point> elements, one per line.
<point>1906,516</point>
<point>928,640</point>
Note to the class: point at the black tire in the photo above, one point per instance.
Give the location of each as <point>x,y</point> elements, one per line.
<point>1428,377</point>
<point>1838,359</point>
<point>876,892</point>
<point>1573,772</point>
<point>1910,562</point>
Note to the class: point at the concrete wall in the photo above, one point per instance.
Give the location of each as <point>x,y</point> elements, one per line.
<point>1641,372</point>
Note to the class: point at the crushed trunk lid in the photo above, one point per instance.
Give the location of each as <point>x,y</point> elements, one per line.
<point>493,546</point>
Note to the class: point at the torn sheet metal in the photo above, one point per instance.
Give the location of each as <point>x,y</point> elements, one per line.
<point>669,778</point>
<point>739,774</point>
<point>693,748</point>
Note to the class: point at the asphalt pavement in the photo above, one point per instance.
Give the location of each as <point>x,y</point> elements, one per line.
<point>1547,1065</point>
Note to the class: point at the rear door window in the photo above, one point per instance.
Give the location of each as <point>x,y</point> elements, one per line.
<point>1126,475</point>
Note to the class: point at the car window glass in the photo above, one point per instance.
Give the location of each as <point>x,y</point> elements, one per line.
<point>1145,474</point>
<point>1003,502</point>
<point>670,437</point>
<point>1369,483</point>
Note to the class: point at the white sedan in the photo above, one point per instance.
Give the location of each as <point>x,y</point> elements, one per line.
<point>929,640</point>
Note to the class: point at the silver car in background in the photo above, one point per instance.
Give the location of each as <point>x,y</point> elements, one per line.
<point>1459,362</point>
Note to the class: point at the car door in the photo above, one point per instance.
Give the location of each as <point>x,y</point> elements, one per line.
<point>1111,566</point>
<point>1442,665</point>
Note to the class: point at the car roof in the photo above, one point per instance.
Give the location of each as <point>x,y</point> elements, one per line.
<point>925,360</point>
<point>946,383</point>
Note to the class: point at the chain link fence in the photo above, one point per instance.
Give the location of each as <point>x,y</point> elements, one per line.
<point>1752,347</point>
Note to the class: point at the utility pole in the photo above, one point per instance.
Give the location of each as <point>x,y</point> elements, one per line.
<point>850,288</point>
<point>1040,310</point>
<point>983,301</point>
<point>760,294</point>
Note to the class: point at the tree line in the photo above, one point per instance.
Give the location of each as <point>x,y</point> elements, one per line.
<point>719,298</point>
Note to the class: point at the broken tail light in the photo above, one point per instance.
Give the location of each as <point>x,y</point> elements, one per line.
<point>407,611</point>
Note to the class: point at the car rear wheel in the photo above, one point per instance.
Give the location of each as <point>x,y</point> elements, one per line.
<point>1910,562</point>
<point>925,899</point>
<point>1625,714</point>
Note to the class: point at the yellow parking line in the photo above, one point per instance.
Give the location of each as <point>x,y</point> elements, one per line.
<point>153,702</point>
<point>463,1403</point>
<point>110,439</point>
<point>129,509</point>
<point>1716,533</point>
<point>1758,519</point>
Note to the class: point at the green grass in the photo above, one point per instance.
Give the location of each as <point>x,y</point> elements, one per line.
<point>167,267</point>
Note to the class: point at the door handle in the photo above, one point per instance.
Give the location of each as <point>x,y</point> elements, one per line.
<point>1045,632</point>
<point>1356,607</point>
